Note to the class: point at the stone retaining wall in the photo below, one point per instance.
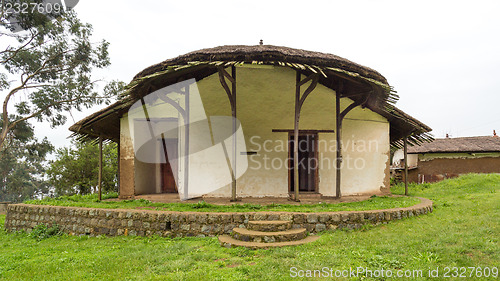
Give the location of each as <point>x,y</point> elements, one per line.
<point>3,207</point>
<point>87,221</point>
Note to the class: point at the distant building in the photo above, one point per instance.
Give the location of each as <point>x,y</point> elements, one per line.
<point>450,157</point>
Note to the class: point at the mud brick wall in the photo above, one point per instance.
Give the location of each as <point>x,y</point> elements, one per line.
<point>88,221</point>
<point>439,169</point>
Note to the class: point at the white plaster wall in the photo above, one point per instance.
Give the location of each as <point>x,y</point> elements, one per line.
<point>145,179</point>
<point>365,153</point>
<point>207,169</point>
<point>265,101</point>
<point>398,159</point>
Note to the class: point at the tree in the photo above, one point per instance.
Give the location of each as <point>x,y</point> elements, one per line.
<point>22,164</point>
<point>76,169</point>
<point>47,67</point>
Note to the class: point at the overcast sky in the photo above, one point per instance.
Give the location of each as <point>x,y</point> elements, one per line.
<point>442,57</point>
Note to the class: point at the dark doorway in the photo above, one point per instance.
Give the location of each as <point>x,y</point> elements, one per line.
<point>168,178</point>
<point>308,162</point>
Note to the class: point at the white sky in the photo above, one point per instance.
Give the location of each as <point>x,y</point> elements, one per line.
<point>442,57</point>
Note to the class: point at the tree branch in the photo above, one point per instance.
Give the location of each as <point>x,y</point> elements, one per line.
<point>13,124</point>
<point>15,52</point>
<point>23,85</point>
<point>36,86</point>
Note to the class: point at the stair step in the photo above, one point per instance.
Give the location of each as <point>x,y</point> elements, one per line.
<point>247,235</point>
<point>269,225</point>
<point>228,242</point>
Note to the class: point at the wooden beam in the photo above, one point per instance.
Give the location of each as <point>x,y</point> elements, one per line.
<point>339,118</point>
<point>99,177</point>
<point>231,78</point>
<point>231,94</point>
<point>172,103</point>
<point>405,151</point>
<point>186,142</point>
<point>302,131</point>
<point>354,105</point>
<point>338,128</point>
<point>299,101</point>
<point>309,89</point>
<point>346,77</point>
<point>226,87</point>
<point>296,138</point>
<point>118,164</point>
<point>307,79</point>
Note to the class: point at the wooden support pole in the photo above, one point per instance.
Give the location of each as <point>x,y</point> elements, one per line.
<point>338,129</point>
<point>405,151</point>
<point>186,143</point>
<point>296,139</point>
<point>118,165</point>
<point>233,111</point>
<point>184,112</point>
<point>99,177</point>
<point>339,118</point>
<point>299,101</point>
<point>231,94</point>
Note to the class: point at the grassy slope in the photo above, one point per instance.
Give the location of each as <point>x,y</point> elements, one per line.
<point>90,201</point>
<point>463,230</point>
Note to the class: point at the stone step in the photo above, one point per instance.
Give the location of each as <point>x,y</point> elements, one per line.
<point>247,235</point>
<point>272,226</point>
<point>228,242</point>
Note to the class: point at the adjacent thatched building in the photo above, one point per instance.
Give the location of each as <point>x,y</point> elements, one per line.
<point>450,157</point>
<point>176,105</point>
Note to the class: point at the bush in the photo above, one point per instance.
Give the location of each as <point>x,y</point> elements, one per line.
<point>42,231</point>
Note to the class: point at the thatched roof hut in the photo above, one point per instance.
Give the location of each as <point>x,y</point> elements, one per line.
<point>357,82</point>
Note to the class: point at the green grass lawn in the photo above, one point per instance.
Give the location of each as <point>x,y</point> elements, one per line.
<point>90,201</point>
<point>463,231</point>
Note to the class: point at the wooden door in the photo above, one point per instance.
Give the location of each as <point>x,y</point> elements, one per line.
<point>168,179</point>
<point>308,163</point>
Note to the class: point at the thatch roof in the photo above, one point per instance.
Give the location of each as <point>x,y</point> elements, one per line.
<point>459,145</point>
<point>402,124</point>
<point>265,53</point>
<point>356,81</point>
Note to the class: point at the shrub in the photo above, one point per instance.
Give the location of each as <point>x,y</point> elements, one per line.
<point>42,231</point>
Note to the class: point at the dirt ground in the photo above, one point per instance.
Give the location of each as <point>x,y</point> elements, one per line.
<point>171,198</point>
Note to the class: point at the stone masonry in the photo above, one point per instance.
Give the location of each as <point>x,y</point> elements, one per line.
<point>112,222</point>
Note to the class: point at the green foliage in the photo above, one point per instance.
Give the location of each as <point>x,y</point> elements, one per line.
<point>426,257</point>
<point>42,231</point>
<point>469,183</point>
<point>378,261</point>
<point>201,205</point>
<point>76,169</point>
<point>46,69</point>
<point>393,181</point>
<point>78,198</point>
<point>462,235</point>
<point>91,201</point>
<point>22,164</point>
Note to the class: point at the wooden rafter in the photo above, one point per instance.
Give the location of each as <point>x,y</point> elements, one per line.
<point>231,94</point>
